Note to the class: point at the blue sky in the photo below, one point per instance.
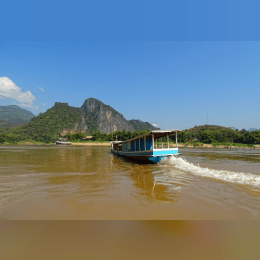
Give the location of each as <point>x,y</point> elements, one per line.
<point>172,84</point>
<point>169,63</point>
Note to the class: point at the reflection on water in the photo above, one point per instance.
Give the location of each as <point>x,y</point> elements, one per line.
<point>149,183</point>
<point>39,182</point>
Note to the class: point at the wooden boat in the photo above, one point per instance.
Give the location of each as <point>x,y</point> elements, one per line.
<point>64,143</point>
<point>146,147</point>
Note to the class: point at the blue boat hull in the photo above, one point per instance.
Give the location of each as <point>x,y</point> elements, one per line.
<point>146,157</point>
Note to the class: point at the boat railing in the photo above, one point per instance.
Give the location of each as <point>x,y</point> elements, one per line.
<point>144,143</point>
<point>159,144</point>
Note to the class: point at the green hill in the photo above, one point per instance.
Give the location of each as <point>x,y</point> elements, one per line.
<point>213,134</point>
<point>15,115</point>
<point>48,126</point>
<point>62,119</point>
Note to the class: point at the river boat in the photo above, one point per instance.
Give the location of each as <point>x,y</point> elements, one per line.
<point>63,143</point>
<point>146,147</point>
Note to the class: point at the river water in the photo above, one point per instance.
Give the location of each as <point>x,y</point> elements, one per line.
<point>59,182</point>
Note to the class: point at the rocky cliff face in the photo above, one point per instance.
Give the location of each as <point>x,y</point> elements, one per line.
<point>93,116</point>
<point>105,117</point>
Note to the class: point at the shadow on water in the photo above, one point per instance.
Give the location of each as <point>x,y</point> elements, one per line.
<point>135,161</point>
<point>146,177</point>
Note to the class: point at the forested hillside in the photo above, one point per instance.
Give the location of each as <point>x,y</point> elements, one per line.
<point>62,119</point>
<point>217,134</point>
<point>46,127</point>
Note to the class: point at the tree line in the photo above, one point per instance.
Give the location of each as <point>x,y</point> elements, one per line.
<point>203,134</point>
<point>209,136</point>
<point>100,137</point>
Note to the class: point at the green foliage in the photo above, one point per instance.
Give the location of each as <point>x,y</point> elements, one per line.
<point>207,137</point>
<point>48,126</point>
<point>2,139</point>
<point>75,137</point>
<point>118,135</point>
<point>212,134</point>
<point>252,137</point>
<point>9,138</point>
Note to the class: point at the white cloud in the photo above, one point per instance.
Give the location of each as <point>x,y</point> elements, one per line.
<point>29,106</point>
<point>42,89</point>
<point>155,125</point>
<point>8,89</point>
<point>43,104</point>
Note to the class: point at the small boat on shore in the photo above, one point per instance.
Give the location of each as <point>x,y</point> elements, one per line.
<point>63,143</point>
<point>145,147</point>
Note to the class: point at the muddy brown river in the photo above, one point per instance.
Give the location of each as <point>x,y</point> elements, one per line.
<point>90,183</point>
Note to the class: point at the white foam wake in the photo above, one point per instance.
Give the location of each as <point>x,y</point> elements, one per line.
<point>234,177</point>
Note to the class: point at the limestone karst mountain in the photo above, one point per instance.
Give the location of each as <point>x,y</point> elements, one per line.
<point>92,116</point>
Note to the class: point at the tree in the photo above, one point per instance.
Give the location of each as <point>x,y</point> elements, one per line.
<point>2,139</point>
<point>207,137</point>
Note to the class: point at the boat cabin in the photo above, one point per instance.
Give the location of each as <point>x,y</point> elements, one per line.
<point>149,145</point>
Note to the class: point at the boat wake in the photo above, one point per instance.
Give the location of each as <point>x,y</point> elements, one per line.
<point>247,179</point>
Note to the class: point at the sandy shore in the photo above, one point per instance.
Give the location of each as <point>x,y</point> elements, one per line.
<point>91,144</point>
<point>74,144</point>
<point>219,146</point>
<point>179,145</point>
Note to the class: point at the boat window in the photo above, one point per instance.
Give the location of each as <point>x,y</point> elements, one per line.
<point>142,144</point>
<point>137,144</point>
<point>149,144</point>
<point>132,146</point>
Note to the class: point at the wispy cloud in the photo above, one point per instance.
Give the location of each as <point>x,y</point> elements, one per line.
<point>29,106</point>
<point>8,89</point>
<point>43,104</point>
<point>155,125</point>
<point>42,89</point>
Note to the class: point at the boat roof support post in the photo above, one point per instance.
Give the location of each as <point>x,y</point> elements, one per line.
<point>161,143</point>
<point>145,143</point>
<point>139,144</point>
<point>176,140</point>
<point>152,142</point>
<point>168,141</point>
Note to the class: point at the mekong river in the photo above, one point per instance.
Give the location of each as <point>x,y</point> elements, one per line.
<point>66,182</point>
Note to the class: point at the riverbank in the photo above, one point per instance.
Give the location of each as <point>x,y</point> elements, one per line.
<point>180,145</point>
<point>73,144</point>
<point>92,144</point>
<point>218,146</point>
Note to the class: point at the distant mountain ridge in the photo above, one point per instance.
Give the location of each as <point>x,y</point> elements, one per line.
<point>62,119</point>
<point>252,129</point>
<point>140,125</point>
<point>14,115</point>
<point>108,120</point>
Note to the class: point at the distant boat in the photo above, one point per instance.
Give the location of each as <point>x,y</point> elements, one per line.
<point>64,143</point>
<point>146,147</point>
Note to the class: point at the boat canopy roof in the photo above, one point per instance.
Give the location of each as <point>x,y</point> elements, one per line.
<point>156,133</point>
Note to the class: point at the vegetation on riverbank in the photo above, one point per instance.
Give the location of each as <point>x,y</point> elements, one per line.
<point>44,128</point>
<point>217,135</point>
<point>213,135</point>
